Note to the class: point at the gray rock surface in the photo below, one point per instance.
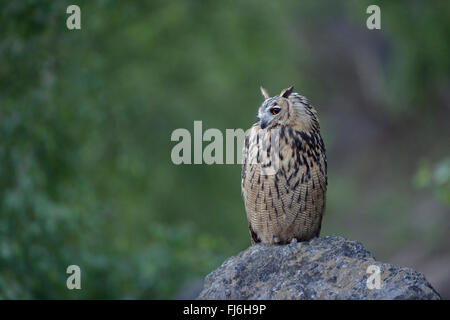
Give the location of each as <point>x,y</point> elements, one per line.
<point>323,268</point>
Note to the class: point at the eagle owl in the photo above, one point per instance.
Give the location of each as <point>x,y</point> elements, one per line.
<point>284,171</point>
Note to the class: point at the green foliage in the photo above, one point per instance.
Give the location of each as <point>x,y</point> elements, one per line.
<point>435,177</point>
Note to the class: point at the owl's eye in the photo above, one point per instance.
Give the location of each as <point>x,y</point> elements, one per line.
<point>275,110</point>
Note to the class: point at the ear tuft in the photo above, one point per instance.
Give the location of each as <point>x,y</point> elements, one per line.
<point>287,92</point>
<point>264,93</point>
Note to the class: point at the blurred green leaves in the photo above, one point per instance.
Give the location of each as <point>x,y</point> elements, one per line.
<point>435,177</point>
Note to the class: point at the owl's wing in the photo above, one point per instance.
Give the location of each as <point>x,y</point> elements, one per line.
<point>245,154</point>
<point>253,236</point>
<point>246,164</point>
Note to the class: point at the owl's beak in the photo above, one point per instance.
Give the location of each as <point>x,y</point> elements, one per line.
<point>262,124</point>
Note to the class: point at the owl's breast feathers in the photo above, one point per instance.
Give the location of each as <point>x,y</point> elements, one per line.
<point>288,201</point>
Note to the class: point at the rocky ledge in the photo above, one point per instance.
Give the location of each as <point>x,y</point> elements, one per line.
<point>323,268</point>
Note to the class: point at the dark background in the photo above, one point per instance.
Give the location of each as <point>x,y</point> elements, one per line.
<point>86,117</point>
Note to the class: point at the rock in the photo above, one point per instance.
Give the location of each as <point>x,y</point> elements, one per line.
<point>323,268</point>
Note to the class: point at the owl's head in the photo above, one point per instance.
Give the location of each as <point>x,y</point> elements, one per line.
<point>286,109</point>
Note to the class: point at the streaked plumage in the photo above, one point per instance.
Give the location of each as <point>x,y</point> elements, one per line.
<point>284,178</point>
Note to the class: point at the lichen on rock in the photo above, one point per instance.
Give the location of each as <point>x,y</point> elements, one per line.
<point>331,267</point>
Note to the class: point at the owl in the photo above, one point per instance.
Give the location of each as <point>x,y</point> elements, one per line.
<point>284,171</point>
